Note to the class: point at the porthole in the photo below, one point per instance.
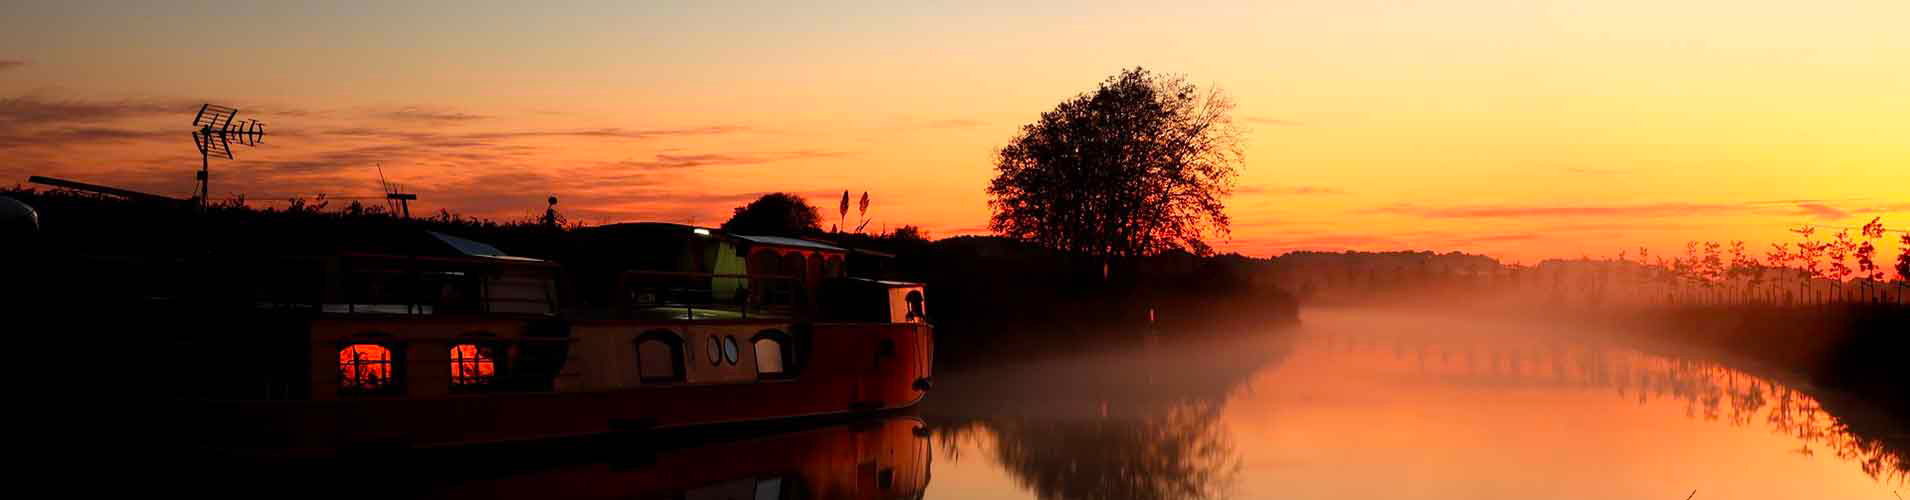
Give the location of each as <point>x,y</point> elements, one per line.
<point>716,351</point>
<point>730,349</point>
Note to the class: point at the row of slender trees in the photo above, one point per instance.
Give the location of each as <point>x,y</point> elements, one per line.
<point>1848,267</point>
<point>1843,268</point>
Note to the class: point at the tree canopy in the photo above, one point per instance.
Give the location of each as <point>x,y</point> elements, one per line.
<point>775,214</point>
<point>1138,167</point>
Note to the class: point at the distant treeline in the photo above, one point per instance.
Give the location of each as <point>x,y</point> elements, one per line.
<point>992,295</point>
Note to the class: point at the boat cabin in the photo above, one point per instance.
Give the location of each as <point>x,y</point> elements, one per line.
<point>673,271</point>
<point>413,312</point>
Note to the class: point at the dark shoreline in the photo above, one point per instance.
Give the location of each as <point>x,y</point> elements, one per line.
<point>1853,349</point>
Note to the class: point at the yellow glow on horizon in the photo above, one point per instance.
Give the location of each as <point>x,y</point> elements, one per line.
<point>1362,116</point>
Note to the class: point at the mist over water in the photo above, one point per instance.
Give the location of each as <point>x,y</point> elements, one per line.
<point>1369,403</point>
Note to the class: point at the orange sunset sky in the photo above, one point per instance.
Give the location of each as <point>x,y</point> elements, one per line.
<point>1519,129</point>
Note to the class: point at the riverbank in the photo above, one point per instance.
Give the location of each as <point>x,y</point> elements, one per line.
<point>1852,348</point>
<point>1857,349</point>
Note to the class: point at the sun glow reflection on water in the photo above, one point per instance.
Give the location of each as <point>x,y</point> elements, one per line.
<point>1359,406</point>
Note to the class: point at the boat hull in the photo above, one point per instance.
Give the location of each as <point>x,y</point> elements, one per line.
<point>847,368</point>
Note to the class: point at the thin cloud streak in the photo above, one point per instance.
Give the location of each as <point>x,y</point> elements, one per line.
<point>69,136</point>
<point>1821,211</point>
<point>669,161</point>
<point>1517,211</point>
<point>416,114</point>
<point>32,110</point>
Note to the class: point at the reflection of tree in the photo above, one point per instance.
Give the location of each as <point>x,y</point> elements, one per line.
<point>1738,397</point>
<point>1708,390</point>
<point>1141,425</point>
<point>1179,454</point>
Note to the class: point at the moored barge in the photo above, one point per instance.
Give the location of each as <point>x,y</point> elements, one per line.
<point>448,341</point>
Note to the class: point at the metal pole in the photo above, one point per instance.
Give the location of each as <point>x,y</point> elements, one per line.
<point>205,189</point>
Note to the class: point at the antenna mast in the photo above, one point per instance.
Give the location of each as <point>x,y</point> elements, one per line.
<point>396,200</point>
<point>214,133</point>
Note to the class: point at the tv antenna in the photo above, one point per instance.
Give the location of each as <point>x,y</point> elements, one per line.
<point>396,200</point>
<point>215,133</point>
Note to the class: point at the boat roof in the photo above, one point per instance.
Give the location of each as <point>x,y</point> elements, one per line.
<point>872,253</point>
<point>887,283</point>
<point>394,240</point>
<point>789,242</point>
<point>641,226</point>
<point>474,248</point>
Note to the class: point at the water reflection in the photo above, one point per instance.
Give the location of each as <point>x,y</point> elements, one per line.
<point>1180,453</point>
<point>1120,425</point>
<point>877,458</point>
<point>1706,390</point>
<point>1354,408</point>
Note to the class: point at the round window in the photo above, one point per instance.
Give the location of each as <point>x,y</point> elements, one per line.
<point>729,349</point>
<point>716,351</point>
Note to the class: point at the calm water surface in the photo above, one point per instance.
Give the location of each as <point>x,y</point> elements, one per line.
<point>1352,405</point>
<point>1363,405</point>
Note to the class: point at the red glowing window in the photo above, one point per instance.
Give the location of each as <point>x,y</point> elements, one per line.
<point>473,365</point>
<point>365,367</point>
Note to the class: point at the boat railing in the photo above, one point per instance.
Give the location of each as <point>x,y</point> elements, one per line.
<point>711,296</point>
<point>381,284</point>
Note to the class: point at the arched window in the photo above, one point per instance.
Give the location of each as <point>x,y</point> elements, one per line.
<point>916,310</point>
<point>473,365</point>
<point>366,368</point>
<point>775,354</point>
<point>660,356</point>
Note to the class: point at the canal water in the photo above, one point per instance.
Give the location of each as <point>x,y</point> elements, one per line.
<point>1358,404</point>
<point>1352,404</point>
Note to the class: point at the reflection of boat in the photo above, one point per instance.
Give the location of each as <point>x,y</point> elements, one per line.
<point>873,458</point>
<point>449,341</point>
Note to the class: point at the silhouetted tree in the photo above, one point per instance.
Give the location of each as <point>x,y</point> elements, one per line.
<point>1138,167</point>
<point>778,214</point>
<point>910,233</point>
<point>1903,258</point>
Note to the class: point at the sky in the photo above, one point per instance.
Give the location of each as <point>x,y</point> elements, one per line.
<point>1519,129</point>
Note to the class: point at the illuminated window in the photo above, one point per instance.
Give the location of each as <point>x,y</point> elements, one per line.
<point>660,357</point>
<point>769,356</point>
<point>473,365</point>
<point>365,368</point>
<point>774,356</point>
<point>730,351</point>
<point>916,312</point>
